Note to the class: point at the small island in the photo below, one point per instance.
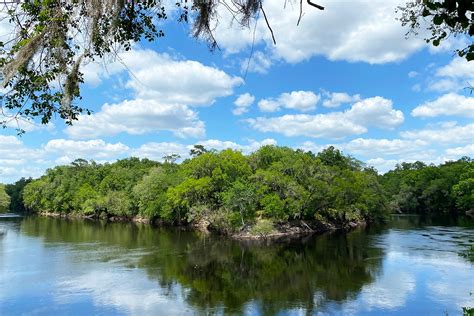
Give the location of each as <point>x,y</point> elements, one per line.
<point>274,192</point>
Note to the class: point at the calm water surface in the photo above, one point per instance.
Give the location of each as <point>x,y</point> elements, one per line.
<point>409,267</point>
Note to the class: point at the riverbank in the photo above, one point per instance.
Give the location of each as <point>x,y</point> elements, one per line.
<point>261,230</point>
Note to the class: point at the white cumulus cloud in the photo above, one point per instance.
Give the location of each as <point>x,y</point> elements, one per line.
<point>374,37</point>
<point>375,111</point>
<point>296,100</point>
<point>448,104</point>
<point>242,103</point>
<point>138,117</point>
<point>446,133</point>
<point>90,149</point>
<point>335,99</point>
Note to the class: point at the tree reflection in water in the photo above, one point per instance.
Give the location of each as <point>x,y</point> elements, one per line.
<point>215,272</point>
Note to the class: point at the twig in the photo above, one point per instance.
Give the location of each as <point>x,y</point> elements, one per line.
<point>315,5</point>
<point>268,24</point>
<point>301,13</point>
<point>252,49</point>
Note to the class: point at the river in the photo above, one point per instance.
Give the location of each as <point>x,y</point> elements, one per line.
<point>410,266</point>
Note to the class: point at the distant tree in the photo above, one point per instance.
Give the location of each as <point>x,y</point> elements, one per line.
<point>197,150</point>
<point>418,188</point>
<point>171,158</point>
<point>80,163</point>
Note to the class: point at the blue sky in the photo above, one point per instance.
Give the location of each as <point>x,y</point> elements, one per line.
<point>340,78</point>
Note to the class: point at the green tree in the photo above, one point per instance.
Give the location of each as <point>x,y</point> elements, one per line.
<point>418,188</point>
<point>197,150</point>
<point>151,191</point>
<point>241,197</point>
<point>15,191</point>
<point>4,200</point>
<point>463,191</point>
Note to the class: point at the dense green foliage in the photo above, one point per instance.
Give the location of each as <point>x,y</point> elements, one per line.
<point>15,191</point>
<point>4,199</point>
<point>231,191</point>
<point>88,188</point>
<point>418,188</point>
<point>225,188</point>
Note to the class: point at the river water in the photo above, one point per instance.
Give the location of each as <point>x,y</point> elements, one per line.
<point>410,266</point>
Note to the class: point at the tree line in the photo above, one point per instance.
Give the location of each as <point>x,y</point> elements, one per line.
<point>420,188</point>
<point>230,190</point>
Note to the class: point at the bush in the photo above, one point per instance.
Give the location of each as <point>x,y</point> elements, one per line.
<point>263,227</point>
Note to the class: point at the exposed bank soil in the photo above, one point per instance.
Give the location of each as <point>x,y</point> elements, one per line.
<point>296,229</point>
<point>291,229</point>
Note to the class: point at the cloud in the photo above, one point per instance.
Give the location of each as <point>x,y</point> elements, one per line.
<point>457,68</point>
<point>17,160</point>
<point>416,87</point>
<point>335,99</point>
<point>370,147</point>
<point>389,292</point>
<point>458,152</point>
<point>91,149</point>
<point>444,85</point>
<point>448,104</point>
<point>132,293</point>
<point>333,125</point>
<point>160,77</point>
<point>163,90</point>
<point>13,148</point>
<point>259,62</point>
<point>138,117</point>
<point>445,133</point>
<point>455,76</point>
<point>297,100</point>
<point>375,111</point>
<point>375,37</point>
<point>165,78</point>
<point>242,103</point>
<point>412,74</point>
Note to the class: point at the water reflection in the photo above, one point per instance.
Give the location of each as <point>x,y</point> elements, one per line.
<point>278,276</point>
<point>403,268</point>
